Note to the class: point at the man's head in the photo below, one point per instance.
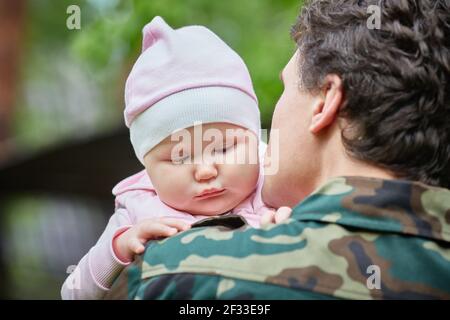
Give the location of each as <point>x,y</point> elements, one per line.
<point>360,101</point>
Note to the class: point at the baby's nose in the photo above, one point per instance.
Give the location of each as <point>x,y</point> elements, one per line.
<point>205,172</point>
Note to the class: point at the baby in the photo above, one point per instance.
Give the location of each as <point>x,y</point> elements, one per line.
<point>195,126</point>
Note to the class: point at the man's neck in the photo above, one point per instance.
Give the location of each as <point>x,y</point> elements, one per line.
<point>352,167</point>
<point>336,162</point>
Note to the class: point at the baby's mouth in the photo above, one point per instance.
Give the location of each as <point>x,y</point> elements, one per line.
<point>209,193</point>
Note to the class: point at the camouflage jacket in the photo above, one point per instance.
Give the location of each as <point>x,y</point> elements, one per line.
<point>353,238</point>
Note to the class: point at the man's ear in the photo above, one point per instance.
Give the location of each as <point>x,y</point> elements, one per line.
<point>327,108</point>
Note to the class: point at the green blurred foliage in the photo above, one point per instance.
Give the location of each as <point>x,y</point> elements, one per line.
<point>257,29</point>
<point>61,69</point>
<point>47,45</point>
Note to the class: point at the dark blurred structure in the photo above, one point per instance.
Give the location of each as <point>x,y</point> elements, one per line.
<point>87,168</point>
<point>84,169</point>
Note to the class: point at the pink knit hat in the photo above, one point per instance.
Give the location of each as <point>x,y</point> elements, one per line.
<point>185,76</point>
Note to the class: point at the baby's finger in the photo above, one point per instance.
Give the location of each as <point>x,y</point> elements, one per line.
<point>176,223</point>
<point>267,218</point>
<point>153,229</point>
<point>282,214</point>
<point>136,246</point>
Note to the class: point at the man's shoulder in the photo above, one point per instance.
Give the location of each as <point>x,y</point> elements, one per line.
<point>341,242</point>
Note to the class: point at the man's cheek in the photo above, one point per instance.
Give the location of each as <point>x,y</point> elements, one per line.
<point>270,191</point>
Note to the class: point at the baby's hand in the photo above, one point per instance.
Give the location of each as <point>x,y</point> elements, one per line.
<point>282,214</point>
<point>132,241</point>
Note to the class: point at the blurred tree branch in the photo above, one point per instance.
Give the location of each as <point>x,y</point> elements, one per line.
<point>11,37</point>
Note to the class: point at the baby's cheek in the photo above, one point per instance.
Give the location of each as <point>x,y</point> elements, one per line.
<point>175,194</point>
<point>253,171</point>
<point>179,181</point>
<point>244,176</point>
<point>171,180</point>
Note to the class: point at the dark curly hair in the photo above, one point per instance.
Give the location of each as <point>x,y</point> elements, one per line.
<point>396,80</point>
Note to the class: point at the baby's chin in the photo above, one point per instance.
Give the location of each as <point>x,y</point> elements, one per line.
<point>215,208</point>
<point>211,211</point>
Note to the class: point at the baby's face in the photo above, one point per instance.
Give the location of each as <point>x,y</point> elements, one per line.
<point>207,169</point>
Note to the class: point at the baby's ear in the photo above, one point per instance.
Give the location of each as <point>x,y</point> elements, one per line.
<point>155,30</point>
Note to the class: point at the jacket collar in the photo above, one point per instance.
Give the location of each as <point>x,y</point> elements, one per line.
<point>397,206</point>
